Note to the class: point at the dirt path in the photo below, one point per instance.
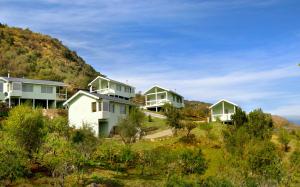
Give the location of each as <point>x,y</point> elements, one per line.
<point>155,115</point>
<point>160,134</point>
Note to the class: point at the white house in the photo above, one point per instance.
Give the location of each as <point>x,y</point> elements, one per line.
<point>222,110</point>
<point>102,107</point>
<point>157,96</point>
<point>104,85</point>
<point>41,93</point>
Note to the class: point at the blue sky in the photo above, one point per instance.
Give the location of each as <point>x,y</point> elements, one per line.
<point>246,51</point>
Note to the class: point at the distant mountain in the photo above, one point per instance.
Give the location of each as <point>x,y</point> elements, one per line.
<point>24,53</point>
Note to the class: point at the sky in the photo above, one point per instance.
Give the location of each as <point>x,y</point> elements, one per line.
<point>246,51</point>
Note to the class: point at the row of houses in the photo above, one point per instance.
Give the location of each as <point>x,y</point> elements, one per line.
<point>102,105</point>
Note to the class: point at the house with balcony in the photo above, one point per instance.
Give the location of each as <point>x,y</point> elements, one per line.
<point>157,96</point>
<point>102,107</point>
<point>222,110</point>
<point>39,93</point>
<point>104,85</point>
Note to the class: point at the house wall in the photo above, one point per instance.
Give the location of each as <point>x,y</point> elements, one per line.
<point>80,113</point>
<point>2,92</point>
<point>37,94</point>
<point>172,98</point>
<point>218,109</point>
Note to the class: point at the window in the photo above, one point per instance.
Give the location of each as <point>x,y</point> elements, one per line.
<point>173,97</point>
<point>27,88</point>
<point>17,86</point>
<point>47,89</point>
<point>1,86</point>
<point>94,106</point>
<point>122,109</point>
<point>162,96</point>
<point>112,107</point>
<point>119,87</point>
<point>105,106</point>
<point>99,106</point>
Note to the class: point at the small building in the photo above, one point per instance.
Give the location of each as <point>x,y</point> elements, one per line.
<point>102,107</point>
<point>157,96</point>
<point>39,93</point>
<point>222,110</point>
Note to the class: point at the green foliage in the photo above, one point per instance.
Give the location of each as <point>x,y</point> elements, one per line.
<point>216,182</point>
<point>236,140</point>
<point>177,180</point>
<point>13,159</point>
<point>58,155</point>
<point>128,126</point>
<point>3,109</point>
<point>33,55</point>
<point>107,182</point>
<point>193,161</point>
<point>265,163</point>
<point>239,118</point>
<point>195,110</point>
<point>174,116</point>
<point>150,118</point>
<point>260,125</point>
<point>26,125</point>
<point>58,125</point>
<point>284,138</point>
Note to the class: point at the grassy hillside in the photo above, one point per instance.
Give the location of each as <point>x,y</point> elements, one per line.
<point>196,110</point>
<point>32,55</point>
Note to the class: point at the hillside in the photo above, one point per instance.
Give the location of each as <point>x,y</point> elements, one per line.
<point>24,53</point>
<point>196,110</point>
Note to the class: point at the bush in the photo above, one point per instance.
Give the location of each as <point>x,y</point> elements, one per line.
<point>150,118</point>
<point>13,160</point>
<point>193,161</point>
<point>104,181</point>
<point>215,182</point>
<point>284,138</point>
<point>26,125</point>
<point>260,125</point>
<point>265,163</point>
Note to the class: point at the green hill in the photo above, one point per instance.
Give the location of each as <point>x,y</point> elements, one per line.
<point>24,53</point>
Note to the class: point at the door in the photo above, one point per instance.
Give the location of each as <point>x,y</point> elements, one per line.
<point>102,128</point>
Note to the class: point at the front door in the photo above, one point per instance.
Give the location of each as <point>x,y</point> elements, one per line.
<point>103,128</point>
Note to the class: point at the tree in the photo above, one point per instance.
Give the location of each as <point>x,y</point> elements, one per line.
<point>174,117</point>
<point>129,126</point>
<point>239,118</point>
<point>260,125</point>
<point>189,126</point>
<point>58,155</point>
<point>13,159</point>
<point>3,109</point>
<point>284,138</point>
<point>26,125</point>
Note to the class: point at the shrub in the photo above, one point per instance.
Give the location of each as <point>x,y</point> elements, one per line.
<point>174,117</point>
<point>265,163</point>
<point>284,138</point>
<point>260,125</point>
<point>13,160</point>
<point>215,182</point>
<point>193,161</point>
<point>26,125</point>
<point>150,118</point>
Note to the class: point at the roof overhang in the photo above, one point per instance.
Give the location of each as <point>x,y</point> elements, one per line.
<point>79,93</point>
<point>168,90</point>
<point>223,100</point>
<point>109,80</point>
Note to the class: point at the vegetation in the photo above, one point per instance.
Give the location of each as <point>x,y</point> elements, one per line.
<point>24,53</point>
<point>218,155</point>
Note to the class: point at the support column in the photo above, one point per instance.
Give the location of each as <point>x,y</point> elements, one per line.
<point>47,104</point>
<point>156,97</point>
<point>234,109</point>
<point>54,103</point>
<point>19,101</point>
<point>9,102</point>
<point>33,103</point>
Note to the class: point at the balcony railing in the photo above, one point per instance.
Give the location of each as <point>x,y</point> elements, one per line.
<point>222,117</point>
<point>157,102</point>
<point>60,96</point>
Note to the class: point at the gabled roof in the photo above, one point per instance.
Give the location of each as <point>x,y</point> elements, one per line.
<point>163,89</point>
<point>105,78</point>
<point>33,81</point>
<point>97,97</point>
<point>222,101</point>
